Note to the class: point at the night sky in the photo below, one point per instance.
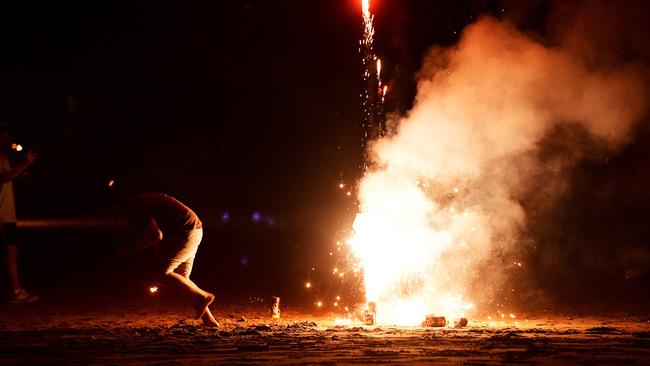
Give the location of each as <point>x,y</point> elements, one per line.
<point>231,105</point>
<point>249,105</point>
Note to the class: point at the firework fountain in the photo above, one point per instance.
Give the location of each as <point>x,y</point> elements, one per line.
<point>439,221</point>
<point>379,228</point>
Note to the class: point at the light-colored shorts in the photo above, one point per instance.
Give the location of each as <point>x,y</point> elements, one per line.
<point>177,251</point>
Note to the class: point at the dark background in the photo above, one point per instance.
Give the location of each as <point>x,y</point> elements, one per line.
<point>242,107</point>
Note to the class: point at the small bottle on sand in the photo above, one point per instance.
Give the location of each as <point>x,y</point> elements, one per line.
<point>275,309</point>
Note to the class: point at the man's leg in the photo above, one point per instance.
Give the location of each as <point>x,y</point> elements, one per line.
<point>11,253</point>
<point>199,298</point>
<point>18,294</point>
<point>206,316</point>
<point>208,319</point>
<point>177,274</point>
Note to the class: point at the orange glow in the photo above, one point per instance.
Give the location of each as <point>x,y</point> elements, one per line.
<point>111,183</point>
<point>385,90</point>
<point>153,289</point>
<point>308,284</point>
<point>341,185</point>
<point>319,304</point>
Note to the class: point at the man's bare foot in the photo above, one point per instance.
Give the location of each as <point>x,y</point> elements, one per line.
<point>201,304</point>
<point>208,319</point>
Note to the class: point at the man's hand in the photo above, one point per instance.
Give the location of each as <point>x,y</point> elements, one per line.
<point>31,157</point>
<point>123,251</point>
<point>11,174</point>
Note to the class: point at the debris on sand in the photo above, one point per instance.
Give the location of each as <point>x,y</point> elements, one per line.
<point>460,322</point>
<point>434,321</point>
<point>302,325</point>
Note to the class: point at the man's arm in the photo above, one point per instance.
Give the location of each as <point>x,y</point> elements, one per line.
<point>150,235</point>
<point>11,174</point>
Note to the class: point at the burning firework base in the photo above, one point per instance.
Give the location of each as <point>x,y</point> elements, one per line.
<point>131,333</point>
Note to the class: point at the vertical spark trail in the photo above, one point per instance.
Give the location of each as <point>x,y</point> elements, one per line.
<point>373,95</point>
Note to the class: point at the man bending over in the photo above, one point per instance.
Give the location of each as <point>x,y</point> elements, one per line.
<point>163,220</point>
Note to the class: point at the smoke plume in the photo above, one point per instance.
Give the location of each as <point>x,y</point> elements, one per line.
<point>499,122</point>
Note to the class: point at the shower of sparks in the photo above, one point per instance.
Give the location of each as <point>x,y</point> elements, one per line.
<point>369,30</point>
<point>396,251</point>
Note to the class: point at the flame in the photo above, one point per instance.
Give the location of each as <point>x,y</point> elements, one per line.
<point>400,245</point>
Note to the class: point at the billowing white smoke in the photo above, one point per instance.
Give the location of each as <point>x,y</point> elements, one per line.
<point>441,198</point>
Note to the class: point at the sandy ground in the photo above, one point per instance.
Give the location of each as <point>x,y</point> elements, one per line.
<point>150,333</point>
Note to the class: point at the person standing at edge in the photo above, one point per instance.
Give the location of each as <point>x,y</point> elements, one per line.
<point>8,213</point>
<point>163,220</point>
